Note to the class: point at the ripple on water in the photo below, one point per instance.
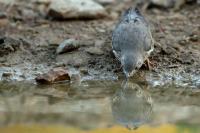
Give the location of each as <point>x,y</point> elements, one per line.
<point>183,79</point>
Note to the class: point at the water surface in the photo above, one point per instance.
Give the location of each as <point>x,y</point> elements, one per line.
<point>91,105</point>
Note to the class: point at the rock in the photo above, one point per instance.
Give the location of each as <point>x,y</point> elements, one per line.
<point>67,46</point>
<point>3,22</point>
<point>100,30</point>
<point>105,2</point>
<point>6,76</point>
<point>3,15</point>
<point>46,2</point>
<point>54,75</point>
<point>97,49</point>
<point>176,4</point>
<point>194,38</point>
<point>114,15</point>
<point>83,70</point>
<point>94,51</point>
<point>99,43</point>
<point>163,3</point>
<point>7,2</point>
<point>69,9</point>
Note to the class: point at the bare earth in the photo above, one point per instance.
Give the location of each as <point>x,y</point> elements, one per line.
<point>28,41</point>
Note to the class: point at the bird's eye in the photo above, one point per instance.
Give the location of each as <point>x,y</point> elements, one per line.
<point>135,20</point>
<point>126,20</point>
<point>137,10</point>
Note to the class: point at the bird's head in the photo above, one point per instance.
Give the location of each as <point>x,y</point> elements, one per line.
<point>132,15</point>
<point>131,62</point>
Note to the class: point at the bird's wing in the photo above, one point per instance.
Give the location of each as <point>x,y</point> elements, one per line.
<point>125,37</point>
<point>116,38</point>
<point>148,41</point>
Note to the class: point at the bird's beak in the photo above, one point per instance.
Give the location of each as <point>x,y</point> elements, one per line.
<point>129,74</point>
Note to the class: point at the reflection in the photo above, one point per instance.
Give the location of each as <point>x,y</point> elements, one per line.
<point>132,105</point>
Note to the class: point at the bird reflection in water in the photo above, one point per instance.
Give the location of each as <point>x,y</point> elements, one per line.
<point>132,105</point>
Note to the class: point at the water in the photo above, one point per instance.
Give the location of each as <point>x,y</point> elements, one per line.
<point>91,105</point>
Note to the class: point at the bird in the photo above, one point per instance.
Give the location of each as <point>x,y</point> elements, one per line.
<point>132,41</point>
<point>132,105</point>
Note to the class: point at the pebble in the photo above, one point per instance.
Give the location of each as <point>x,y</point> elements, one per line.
<point>94,51</point>
<point>67,46</point>
<point>7,2</point>
<point>3,15</point>
<point>4,22</point>
<point>42,1</point>
<point>54,75</point>
<point>74,9</point>
<point>105,2</point>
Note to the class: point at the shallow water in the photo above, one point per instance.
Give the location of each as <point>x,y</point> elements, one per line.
<point>98,104</point>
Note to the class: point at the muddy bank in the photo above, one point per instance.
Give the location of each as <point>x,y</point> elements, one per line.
<point>29,39</point>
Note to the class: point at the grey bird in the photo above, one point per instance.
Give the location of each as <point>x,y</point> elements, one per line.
<point>132,41</point>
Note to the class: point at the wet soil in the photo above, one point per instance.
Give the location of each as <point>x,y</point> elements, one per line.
<point>29,38</point>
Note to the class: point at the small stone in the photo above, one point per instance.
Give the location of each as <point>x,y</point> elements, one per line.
<point>67,46</point>
<point>105,2</point>
<point>70,9</point>
<point>94,51</point>
<point>101,30</point>
<point>114,15</point>
<point>7,2</point>
<point>176,4</point>
<point>54,75</point>
<point>6,74</point>
<point>83,70</point>
<point>42,1</point>
<point>99,43</point>
<point>194,38</point>
<point>3,22</point>
<point>2,15</point>
<point>163,3</point>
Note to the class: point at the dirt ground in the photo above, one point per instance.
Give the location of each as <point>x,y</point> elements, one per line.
<point>29,38</point>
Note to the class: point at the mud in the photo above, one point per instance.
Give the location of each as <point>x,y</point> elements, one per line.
<point>29,39</point>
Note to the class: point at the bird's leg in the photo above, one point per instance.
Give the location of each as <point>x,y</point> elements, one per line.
<point>118,69</point>
<point>149,64</point>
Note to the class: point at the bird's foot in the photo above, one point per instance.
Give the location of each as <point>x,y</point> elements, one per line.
<point>118,69</point>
